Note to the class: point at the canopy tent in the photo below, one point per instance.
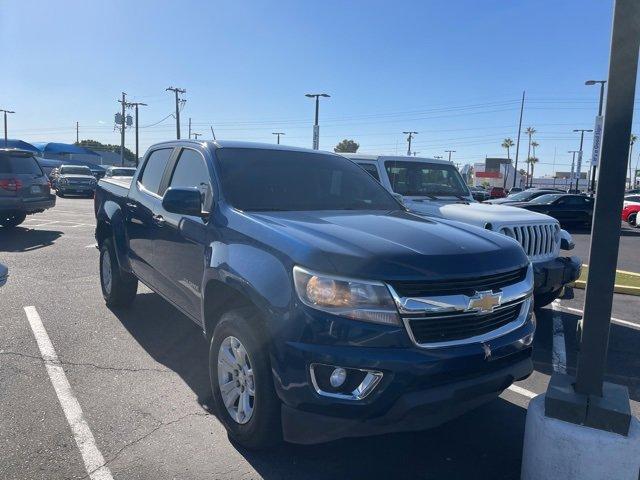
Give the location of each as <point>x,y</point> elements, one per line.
<point>22,145</point>
<point>63,149</point>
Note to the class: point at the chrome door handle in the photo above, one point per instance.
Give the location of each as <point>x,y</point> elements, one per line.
<point>158,219</point>
<point>131,205</point>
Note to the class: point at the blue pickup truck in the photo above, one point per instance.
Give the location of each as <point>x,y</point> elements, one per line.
<point>331,311</point>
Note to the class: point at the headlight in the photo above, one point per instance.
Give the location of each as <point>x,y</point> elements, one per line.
<point>62,180</point>
<point>355,299</point>
<point>566,241</point>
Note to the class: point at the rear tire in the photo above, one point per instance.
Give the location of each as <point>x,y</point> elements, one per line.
<point>631,219</point>
<point>118,288</point>
<point>545,299</point>
<point>10,221</point>
<point>262,428</point>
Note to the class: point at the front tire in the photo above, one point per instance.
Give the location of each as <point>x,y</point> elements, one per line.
<point>10,221</point>
<point>631,219</point>
<point>241,381</point>
<point>118,288</point>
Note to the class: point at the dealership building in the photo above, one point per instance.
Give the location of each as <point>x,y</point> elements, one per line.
<point>496,172</point>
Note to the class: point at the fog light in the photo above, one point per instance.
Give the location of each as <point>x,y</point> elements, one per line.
<point>338,376</point>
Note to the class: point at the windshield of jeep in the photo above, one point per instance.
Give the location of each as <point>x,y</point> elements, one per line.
<point>425,179</point>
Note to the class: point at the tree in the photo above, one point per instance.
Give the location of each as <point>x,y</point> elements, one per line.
<point>522,173</point>
<point>507,143</point>
<point>534,144</point>
<point>347,146</point>
<point>532,161</point>
<point>107,147</point>
<point>529,131</point>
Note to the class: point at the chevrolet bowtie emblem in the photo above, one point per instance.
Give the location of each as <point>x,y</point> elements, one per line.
<point>484,302</point>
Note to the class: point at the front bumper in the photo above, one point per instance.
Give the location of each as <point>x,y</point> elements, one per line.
<point>420,388</point>
<point>555,274</point>
<point>76,188</point>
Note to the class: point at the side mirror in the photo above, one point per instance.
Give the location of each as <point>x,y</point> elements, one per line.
<point>183,201</point>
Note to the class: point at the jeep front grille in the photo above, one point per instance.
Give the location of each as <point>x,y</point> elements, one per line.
<point>538,241</point>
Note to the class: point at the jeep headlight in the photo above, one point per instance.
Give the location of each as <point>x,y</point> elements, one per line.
<point>566,241</point>
<point>364,300</point>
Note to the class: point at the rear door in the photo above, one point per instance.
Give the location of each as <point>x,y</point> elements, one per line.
<point>180,249</point>
<point>144,217</point>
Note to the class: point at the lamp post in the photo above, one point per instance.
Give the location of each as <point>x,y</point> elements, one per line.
<point>278,134</point>
<point>579,166</point>
<point>5,124</point>
<point>316,127</point>
<point>409,138</point>
<point>598,130</point>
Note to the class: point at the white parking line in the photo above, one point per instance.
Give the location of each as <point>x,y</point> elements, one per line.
<point>626,323</point>
<point>522,391</point>
<point>559,350</point>
<point>91,456</point>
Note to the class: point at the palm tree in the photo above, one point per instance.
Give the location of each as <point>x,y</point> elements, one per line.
<point>532,161</point>
<point>529,131</point>
<point>534,144</point>
<point>507,143</point>
<point>522,173</point>
<point>632,140</point>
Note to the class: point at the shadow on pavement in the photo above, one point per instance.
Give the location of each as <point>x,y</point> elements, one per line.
<point>22,239</point>
<point>477,445</point>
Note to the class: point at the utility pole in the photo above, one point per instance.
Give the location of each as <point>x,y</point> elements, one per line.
<point>597,134</point>
<point>136,105</point>
<point>77,132</point>
<point>449,152</point>
<point>579,166</point>
<point>5,124</point>
<point>278,134</point>
<point>316,127</point>
<point>123,102</point>
<point>573,166</point>
<point>515,171</point>
<point>177,91</point>
<point>189,128</point>
<point>410,136</point>
<point>196,135</point>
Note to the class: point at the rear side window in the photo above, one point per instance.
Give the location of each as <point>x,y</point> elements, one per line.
<point>154,169</point>
<point>19,165</point>
<point>371,170</point>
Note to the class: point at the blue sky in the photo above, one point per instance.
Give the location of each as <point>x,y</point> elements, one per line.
<point>452,70</point>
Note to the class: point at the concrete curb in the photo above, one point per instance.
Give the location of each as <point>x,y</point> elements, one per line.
<point>616,288</point>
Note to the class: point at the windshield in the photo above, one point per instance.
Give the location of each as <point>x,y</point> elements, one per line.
<point>122,172</point>
<point>264,180</point>
<point>546,198</point>
<point>424,179</point>
<point>75,171</point>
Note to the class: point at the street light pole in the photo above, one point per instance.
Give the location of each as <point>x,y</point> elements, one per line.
<point>278,134</point>
<point>316,126</point>
<point>449,152</point>
<point>598,129</point>
<point>515,170</point>
<point>5,125</point>
<point>579,167</point>
<point>410,136</point>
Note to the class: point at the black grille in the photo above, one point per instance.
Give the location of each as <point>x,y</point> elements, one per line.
<point>461,326</point>
<point>467,286</point>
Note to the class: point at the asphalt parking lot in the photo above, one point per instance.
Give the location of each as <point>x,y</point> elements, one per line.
<point>140,379</point>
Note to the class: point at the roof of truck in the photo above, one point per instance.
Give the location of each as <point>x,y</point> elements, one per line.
<point>397,158</point>
<point>215,144</point>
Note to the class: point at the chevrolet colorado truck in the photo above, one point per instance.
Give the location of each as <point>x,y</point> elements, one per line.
<point>435,188</point>
<point>330,310</point>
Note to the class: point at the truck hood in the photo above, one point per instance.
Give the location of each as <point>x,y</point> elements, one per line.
<point>389,246</point>
<point>475,213</point>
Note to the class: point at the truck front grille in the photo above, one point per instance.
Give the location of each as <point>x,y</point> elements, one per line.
<point>466,286</point>
<point>457,326</point>
<point>538,241</point>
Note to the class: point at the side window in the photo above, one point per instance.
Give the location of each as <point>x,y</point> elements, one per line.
<point>371,170</point>
<point>151,177</point>
<point>191,171</point>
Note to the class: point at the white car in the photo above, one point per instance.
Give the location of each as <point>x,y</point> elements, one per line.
<point>432,187</point>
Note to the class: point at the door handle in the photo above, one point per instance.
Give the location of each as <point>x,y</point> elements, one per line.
<point>158,220</point>
<point>131,205</point>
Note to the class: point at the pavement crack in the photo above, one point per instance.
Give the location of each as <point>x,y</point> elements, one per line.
<point>85,364</point>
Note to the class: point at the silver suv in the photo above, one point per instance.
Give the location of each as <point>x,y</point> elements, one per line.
<point>24,188</point>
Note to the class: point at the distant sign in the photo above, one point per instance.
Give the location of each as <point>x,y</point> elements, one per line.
<point>597,141</point>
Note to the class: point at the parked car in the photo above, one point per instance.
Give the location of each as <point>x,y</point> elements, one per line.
<point>4,274</point>
<point>633,191</point>
<point>75,179</point>
<point>633,199</point>
<point>479,194</point>
<point>630,214</point>
<point>497,192</point>
<point>515,190</point>
<point>49,166</point>
<point>316,290</point>
<point>53,176</point>
<point>24,188</point>
<point>564,207</point>
<point>523,196</point>
<point>119,172</point>
<point>434,188</point>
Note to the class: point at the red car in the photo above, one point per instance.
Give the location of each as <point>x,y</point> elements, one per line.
<point>497,192</point>
<point>630,213</point>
